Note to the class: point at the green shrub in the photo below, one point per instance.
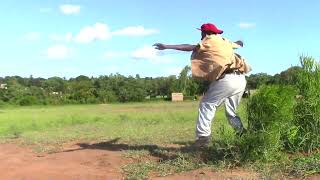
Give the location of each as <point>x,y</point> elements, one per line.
<point>271,106</point>
<point>190,98</point>
<point>156,99</point>
<point>285,118</point>
<point>306,128</point>
<point>27,101</point>
<point>2,103</point>
<point>92,100</point>
<point>270,115</point>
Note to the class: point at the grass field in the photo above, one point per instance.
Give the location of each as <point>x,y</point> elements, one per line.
<point>137,123</point>
<point>143,130</point>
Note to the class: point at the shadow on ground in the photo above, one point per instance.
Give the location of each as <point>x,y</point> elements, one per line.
<point>215,154</point>
<point>163,153</point>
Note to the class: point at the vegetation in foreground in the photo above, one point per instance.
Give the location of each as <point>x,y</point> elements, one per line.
<point>284,121</point>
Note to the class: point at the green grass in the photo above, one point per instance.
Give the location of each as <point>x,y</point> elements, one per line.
<point>153,134</point>
<point>305,165</point>
<point>138,123</point>
<point>140,127</point>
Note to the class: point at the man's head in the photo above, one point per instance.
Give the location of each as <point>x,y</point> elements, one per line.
<point>208,29</point>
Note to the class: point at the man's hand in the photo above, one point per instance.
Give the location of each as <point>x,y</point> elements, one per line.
<point>160,46</point>
<point>240,43</point>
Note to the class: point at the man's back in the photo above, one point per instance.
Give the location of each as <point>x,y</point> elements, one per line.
<point>211,57</point>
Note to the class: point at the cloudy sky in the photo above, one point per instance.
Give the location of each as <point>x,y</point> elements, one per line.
<point>68,38</point>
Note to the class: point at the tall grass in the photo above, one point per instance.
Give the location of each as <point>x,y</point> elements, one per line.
<point>270,114</point>
<point>285,119</point>
<point>307,111</point>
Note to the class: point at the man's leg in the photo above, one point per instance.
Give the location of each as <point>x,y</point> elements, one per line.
<point>231,104</point>
<point>207,108</point>
<point>216,94</point>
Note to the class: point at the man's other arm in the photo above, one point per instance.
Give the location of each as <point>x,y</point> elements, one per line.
<point>180,47</point>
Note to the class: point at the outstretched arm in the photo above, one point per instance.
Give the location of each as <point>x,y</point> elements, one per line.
<point>181,47</point>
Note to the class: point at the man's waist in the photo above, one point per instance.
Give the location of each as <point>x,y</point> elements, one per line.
<point>232,71</point>
<point>229,71</point>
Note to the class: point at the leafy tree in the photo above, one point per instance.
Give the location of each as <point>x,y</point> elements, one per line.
<point>55,84</point>
<point>116,87</point>
<point>256,80</point>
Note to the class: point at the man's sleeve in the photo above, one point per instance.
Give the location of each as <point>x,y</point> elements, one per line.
<point>202,46</point>
<point>233,45</point>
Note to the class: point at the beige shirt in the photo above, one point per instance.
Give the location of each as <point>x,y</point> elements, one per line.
<point>212,57</point>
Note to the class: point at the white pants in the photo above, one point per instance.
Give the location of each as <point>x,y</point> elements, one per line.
<point>229,90</point>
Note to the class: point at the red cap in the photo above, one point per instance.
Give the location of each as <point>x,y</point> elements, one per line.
<point>210,28</point>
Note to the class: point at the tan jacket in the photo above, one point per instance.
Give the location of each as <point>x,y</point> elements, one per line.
<point>213,56</point>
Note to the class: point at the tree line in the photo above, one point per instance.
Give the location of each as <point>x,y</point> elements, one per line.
<point>116,87</point>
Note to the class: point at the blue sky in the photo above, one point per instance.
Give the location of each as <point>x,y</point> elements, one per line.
<point>68,38</point>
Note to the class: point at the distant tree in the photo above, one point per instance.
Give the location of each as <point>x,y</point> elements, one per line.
<point>290,75</point>
<point>55,84</point>
<point>116,87</point>
<point>256,80</point>
<point>81,90</point>
<point>184,79</point>
<point>82,78</point>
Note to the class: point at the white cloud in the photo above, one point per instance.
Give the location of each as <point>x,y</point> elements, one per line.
<point>174,71</point>
<point>145,52</point>
<point>151,54</point>
<point>135,31</point>
<point>246,25</point>
<point>69,9</point>
<point>99,31</point>
<point>56,37</point>
<point>115,54</point>
<point>32,36</point>
<point>58,52</point>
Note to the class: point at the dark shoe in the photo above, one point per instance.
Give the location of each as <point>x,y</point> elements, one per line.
<point>202,142</point>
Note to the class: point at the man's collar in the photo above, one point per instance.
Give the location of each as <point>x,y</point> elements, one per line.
<point>210,36</point>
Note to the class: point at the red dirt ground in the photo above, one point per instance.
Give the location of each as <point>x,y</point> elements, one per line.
<point>18,163</point>
<point>78,162</point>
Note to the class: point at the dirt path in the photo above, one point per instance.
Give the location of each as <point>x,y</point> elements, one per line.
<point>77,162</point>
<point>18,163</point>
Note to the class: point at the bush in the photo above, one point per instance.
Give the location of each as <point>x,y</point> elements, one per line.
<point>127,94</point>
<point>190,98</point>
<point>109,97</point>
<point>2,103</point>
<point>270,107</point>
<point>155,99</point>
<point>92,100</point>
<point>27,101</point>
<point>270,115</point>
<point>285,117</point>
<point>306,128</point>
